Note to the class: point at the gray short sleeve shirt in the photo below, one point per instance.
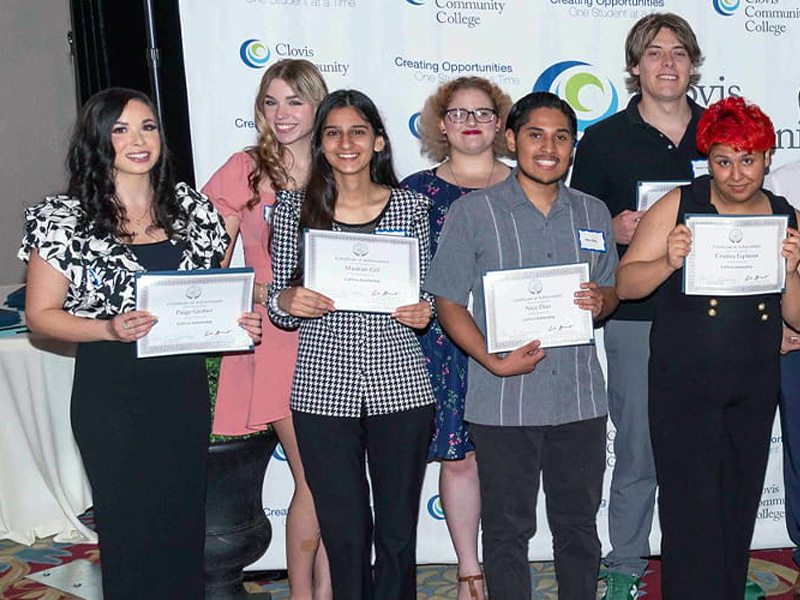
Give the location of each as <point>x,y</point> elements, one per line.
<point>499,228</point>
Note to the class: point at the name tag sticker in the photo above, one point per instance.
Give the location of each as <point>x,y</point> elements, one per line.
<point>700,167</point>
<point>594,241</point>
<point>268,212</point>
<point>397,232</point>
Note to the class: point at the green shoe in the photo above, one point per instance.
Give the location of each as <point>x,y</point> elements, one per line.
<point>753,591</point>
<point>620,586</point>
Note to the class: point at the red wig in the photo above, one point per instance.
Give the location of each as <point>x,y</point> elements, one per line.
<point>735,123</point>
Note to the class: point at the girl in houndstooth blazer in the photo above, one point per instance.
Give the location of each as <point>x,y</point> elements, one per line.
<point>361,397</point>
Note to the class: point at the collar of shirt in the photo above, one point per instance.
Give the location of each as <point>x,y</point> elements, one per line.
<point>513,197</point>
<point>635,117</point>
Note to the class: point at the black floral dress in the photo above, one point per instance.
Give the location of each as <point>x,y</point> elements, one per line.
<point>142,425</point>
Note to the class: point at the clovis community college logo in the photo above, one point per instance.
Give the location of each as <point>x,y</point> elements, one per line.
<point>413,124</point>
<point>254,53</point>
<point>435,509</point>
<point>279,454</point>
<point>726,7</point>
<point>593,97</point>
<point>416,2</point>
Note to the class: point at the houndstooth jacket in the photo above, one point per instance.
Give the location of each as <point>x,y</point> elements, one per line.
<point>351,364</point>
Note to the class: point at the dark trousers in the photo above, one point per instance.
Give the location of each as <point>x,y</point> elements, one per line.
<point>711,432</point>
<point>570,459</point>
<point>790,431</point>
<point>334,451</point>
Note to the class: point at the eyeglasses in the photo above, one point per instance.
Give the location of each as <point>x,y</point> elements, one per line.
<point>460,115</point>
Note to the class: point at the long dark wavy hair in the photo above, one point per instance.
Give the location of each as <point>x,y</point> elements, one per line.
<point>90,162</point>
<point>320,203</point>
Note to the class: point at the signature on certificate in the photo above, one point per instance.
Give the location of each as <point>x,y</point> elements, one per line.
<point>561,326</point>
<point>216,332</point>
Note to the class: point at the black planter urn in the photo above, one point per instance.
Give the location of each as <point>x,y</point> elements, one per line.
<point>237,531</point>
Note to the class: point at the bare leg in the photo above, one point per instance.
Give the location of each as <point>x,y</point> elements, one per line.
<point>307,563</point>
<point>461,499</point>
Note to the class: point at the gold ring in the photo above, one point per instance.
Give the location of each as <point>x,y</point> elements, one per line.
<point>125,326</point>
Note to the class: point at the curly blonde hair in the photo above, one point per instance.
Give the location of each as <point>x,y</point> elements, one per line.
<point>434,145</point>
<point>269,157</point>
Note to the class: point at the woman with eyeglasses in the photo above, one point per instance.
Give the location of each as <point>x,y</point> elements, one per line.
<point>458,128</point>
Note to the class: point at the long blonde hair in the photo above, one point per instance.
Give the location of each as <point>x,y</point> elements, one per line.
<point>269,157</point>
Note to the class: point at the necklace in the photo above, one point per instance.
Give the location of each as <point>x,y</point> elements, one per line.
<point>138,221</point>
<point>458,183</point>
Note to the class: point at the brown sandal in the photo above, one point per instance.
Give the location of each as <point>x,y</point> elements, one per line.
<point>470,581</point>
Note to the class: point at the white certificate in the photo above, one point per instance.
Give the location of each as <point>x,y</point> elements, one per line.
<point>538,303</point>
<point>197,311</point>
<point>735,256</point>
<point>362,271</point>
<point>649,192</point>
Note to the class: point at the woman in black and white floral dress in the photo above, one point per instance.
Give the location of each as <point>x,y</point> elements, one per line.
<point>142,425</point>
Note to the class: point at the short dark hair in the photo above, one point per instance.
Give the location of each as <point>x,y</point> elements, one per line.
<point>518,115</point>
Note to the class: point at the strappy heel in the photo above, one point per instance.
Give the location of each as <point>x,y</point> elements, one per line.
<point>470,581</point>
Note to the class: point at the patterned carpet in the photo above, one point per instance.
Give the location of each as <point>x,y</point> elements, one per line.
<point>772,569</point>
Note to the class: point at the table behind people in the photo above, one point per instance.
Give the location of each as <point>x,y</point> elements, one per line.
<point>43,486</point>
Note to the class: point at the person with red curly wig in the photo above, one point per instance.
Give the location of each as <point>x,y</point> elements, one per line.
<point>714,371</point>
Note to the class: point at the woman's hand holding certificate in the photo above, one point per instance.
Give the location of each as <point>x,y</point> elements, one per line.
<point>735,256</point>
<point>197,311</point>
<point>362,272</point>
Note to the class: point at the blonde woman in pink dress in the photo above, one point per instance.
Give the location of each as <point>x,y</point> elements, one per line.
<point>254,388</point>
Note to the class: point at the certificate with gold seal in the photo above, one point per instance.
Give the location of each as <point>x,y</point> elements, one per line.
<point>197,311</point>
<point>536,303</point>
<point>362,271</point>
<point>735,255</point>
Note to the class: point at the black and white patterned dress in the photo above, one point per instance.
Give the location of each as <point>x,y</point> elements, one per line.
<point>142,425</point>
<point>354,363</point>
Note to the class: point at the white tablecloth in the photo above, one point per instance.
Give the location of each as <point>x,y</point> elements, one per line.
<point>43,486</point>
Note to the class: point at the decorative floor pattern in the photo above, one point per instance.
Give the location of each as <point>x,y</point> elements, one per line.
<point>774,570</point>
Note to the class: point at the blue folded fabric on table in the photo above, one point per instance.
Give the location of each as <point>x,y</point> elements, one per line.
<point>16,299</point>
<point>9,317</point>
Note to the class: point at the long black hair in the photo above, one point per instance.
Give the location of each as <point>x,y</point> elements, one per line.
<point>90,162</point>
<point>320,202</point>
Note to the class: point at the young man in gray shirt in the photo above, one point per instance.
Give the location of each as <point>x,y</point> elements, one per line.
<point>532,412</point>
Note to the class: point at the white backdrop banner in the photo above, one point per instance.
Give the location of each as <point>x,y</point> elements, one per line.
<point>399,51</point>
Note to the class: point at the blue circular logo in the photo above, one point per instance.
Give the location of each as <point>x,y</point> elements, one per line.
<point>279,454</point>
<point>435,509</point>
<point>590,94</point>
<point>726,7</point>
<point>254,53</point>
<point>416,2</point>
<point>413,125</point>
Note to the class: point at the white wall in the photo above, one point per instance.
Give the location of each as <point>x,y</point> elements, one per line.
<point>37,108</point>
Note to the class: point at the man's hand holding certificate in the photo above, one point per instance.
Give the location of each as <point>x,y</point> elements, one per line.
<point>735,256</point>
<point>197,311</point>
<point>536,303</point>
